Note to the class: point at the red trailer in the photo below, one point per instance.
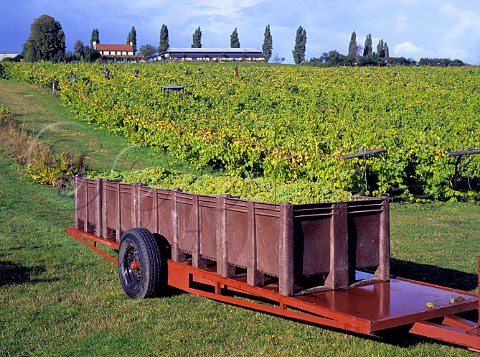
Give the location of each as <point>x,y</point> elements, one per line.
<point>323,263</point>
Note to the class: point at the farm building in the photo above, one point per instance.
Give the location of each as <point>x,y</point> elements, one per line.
<point>117,52</point>
<point>212,54</point>
<point>10,55</point>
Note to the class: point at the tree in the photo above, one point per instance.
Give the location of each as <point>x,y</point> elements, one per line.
<point>401,61</point>
<point>69,57</point>
<point>440,62</point>
<point>234,40</point>
<point>164,44</point>
<point>330,59</point>
<point>386,50</point>
<point>90,54</point>
<point>368,49</point>
<point>300,45</point>
<point>78,49</point>
<point>370,60</point>
<point>132,39</point>
<point>267,44</point>
<point>94,38</point>
<point>197,38</point>
<point>353,47</point>
<point>79,46</point>
<point>381,49</point>
<point>148,51</point>
<point>46,41</point>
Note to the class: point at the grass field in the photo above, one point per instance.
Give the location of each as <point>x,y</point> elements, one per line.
<point>59,298</point>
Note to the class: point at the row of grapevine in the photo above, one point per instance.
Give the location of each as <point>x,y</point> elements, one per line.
<point>290,122</point>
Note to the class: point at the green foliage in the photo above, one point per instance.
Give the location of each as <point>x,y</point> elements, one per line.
<point>164,42</point>
<point>331,59</point>
<point>234,40</point>
<point>90,54</point>
<point>440,62</point>
<point>41,163</point>
<point>267,46</point>
<point>46,41</point>
<point>381,49</point>
<point>47,168</point>
<point>79,46</point>
<point>292,123</point>
<point>132,39</point>
<point>148,51</point>
<point>258,189</point>
<point>79,49</point>
<point>300,46</point>
<point>197,38</point>
<point>368,47</point>
<point>94,38</point>
<point>353,47</point>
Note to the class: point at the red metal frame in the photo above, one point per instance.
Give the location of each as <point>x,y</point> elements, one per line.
<point>362,309</point>
<point>91,240</point>
<point>452,330</point>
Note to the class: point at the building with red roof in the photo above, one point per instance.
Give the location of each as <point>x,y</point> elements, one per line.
<point>117,52</point>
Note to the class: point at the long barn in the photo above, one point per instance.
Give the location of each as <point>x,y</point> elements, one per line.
<point>212,54</point>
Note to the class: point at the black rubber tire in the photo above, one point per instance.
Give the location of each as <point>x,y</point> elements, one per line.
<point>138,244</point>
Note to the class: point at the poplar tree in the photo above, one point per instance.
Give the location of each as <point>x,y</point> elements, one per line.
<point>352,46</point>
<point>197,38</point>
<point>368,49</point>
<point>164,43</point>
<point>381,49</point>
<point>234,40</point>
<point>132,39</point>
<point>300,46</point>
<point>94,38</point>
<point>267,44</point>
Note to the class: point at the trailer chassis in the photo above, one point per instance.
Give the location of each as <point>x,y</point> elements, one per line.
<point>429,310</point>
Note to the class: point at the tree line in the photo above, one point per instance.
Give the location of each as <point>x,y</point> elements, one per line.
<point>365,56</point>
<point>47,42</point>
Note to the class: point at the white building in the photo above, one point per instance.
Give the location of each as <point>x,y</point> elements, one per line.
<point>117,52</point>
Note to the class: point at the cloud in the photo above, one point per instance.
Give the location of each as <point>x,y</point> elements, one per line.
<point>461,31</point>
<point>407,49</point>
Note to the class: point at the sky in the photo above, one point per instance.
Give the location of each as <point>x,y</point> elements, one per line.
<point>411,28</point>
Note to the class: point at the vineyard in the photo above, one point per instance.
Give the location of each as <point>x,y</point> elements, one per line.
<point>290,125</point>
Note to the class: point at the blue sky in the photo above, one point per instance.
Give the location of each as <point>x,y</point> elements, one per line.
<point>411,28</point>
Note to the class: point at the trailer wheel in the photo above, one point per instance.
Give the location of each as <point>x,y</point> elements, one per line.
<point>141,267</point>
